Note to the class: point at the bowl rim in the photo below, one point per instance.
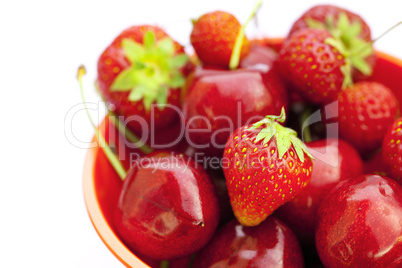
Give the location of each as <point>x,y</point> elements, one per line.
<point>105,232</point>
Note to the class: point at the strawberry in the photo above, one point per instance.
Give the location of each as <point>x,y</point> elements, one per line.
<point>392,150</point>
<point>340,22</point>
<point>213,38</point>
<point>366,110</point>
<point>312,66</point>
<point>265,165</point>
<point>319,63</point>
<point>142,67</point>
<point>327,17</point>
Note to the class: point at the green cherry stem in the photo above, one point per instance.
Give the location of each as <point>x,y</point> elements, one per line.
<point>164,264</point>
<point>370,44</point>
<point>306,131</point>
<point>235,57</point>
<point>114,161</point>
<point>126,132</point>
<point>387,31</point>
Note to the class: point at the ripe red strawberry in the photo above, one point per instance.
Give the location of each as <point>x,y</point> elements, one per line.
<point>366,110</point>
<point>319,63</point>
<point>343,24</point>
<point>327,17</point>
<point>213,38</point>
<point>392,150</point>
<point>141,67</point>
<point>312,66</point>
<point>265,165</point>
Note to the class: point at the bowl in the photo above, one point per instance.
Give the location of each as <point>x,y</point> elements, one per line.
<point>102,185</point>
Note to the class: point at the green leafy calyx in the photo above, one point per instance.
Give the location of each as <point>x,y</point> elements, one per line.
<point>285,137</point>
<point>345,38</point>
<point>155,68</point>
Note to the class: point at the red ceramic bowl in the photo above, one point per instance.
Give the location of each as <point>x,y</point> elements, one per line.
<point>102,185</point>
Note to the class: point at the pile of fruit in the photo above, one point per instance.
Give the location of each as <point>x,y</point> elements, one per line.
<point>255,153</point>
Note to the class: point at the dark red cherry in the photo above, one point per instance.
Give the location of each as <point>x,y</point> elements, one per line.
<point>219,101</point>
<point>259,57</point>
<point>270,244</point>
<point>168,207</point>
<point>359,224</point>
<point>335,160</point>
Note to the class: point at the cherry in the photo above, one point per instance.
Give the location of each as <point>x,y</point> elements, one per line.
<point>335,160</point>
<point>168,207</point>
<point>359,224</point>
<point>270,244</point>
<point>259,57</point>
<point>219,101</point>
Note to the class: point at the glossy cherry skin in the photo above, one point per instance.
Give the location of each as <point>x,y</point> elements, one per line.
<point>270,244</point>
<point>220,101</point>
<point>168,207</point>
<point>335,160</point>
<point>359,224</point>
<point>259,57</point>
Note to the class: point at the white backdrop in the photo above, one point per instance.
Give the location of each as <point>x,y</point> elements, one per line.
<point>43,218</point>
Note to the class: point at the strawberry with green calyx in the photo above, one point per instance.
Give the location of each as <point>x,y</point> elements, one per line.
<point>312,67</point>
<point>319,62</point>
<point>346,39</point>
<point>143,66</point>
<point>265,165</point>
<point>328,17</point>
<point>349,28</point>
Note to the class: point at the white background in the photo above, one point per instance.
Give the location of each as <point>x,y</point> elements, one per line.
<point>43,220</point>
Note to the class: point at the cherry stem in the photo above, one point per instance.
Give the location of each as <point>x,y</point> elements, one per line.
<point>235,57</point>
<point>164,264</point>
<point>127,133</point>
<point>113,159</point>
<point>124,130</point>
<point>387,31</point>
<point>306,133</point>
<point>356,52</point>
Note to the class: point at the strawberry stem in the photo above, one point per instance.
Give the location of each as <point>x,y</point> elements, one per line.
<point>235,57</point>
<point>285,137</point>
<point>270,119</point>
<point>113,159</point>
